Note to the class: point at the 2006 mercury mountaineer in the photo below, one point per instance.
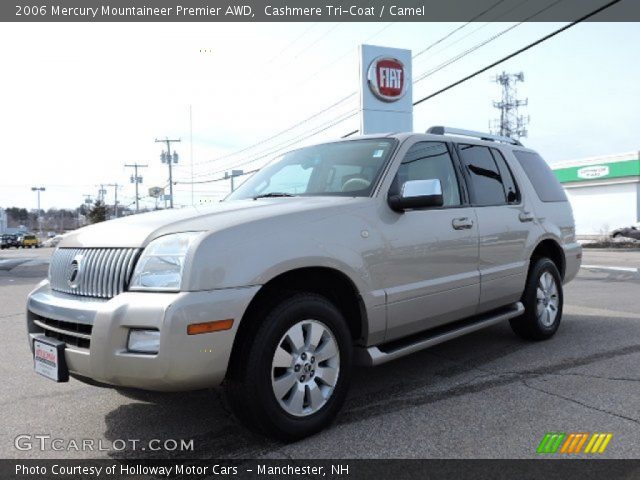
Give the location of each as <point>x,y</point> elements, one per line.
<point>357,251</point>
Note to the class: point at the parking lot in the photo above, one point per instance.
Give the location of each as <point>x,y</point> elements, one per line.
<point>487,395</point>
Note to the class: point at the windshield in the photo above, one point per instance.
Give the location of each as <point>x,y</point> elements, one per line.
<point>348,168</point>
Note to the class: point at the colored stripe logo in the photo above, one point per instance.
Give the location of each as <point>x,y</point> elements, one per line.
<point>572,443</point>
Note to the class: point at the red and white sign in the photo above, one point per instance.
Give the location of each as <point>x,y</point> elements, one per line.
<point>46,360</point>
<point>386,78</point>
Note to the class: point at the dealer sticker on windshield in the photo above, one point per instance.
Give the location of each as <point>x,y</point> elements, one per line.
<point>48,359</point>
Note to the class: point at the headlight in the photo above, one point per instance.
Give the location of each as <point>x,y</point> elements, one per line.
<point>161,263</point>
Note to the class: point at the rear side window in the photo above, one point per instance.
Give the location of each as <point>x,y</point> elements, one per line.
<point>511,190</point>
<point>486,181</point>
<point>544,181</point>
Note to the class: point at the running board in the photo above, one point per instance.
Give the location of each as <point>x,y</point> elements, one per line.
<point>399,348</point>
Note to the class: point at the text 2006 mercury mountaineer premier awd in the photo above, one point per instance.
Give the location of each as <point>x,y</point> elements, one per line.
<point>357,251</point>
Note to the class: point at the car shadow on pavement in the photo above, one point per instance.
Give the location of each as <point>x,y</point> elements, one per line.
<point>203,417</point>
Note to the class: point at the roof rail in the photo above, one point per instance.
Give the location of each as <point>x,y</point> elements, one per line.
<point>470,133</point>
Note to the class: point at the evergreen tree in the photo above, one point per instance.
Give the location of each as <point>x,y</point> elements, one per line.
<point>98,212</point>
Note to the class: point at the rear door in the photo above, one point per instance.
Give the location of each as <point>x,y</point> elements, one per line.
<point>505,225</point>
<point>430,266</point>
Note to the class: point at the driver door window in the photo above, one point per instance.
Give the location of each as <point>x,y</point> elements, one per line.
<point>428,161</point>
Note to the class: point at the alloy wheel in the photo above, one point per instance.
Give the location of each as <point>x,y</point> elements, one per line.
<point>305,368</point>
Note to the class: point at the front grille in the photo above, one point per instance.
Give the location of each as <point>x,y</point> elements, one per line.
<point>76,334</point>
<point>99,272</point>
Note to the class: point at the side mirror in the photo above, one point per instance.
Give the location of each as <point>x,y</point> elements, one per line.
<point>417,194</point>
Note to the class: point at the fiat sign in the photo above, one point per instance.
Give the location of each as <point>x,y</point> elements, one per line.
<point>386,78</point>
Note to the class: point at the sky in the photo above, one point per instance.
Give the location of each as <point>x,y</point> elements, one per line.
<point>81,100</point>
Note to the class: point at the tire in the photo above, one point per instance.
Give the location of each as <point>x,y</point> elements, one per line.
<point>543,300</point>
<point>268,362</point>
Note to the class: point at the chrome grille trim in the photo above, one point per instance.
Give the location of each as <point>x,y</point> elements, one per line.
<point>62,331</point>
<point>104,272</point>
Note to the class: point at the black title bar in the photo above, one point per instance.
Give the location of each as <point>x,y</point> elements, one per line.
<point>555,469</point>
<point>313,11</point>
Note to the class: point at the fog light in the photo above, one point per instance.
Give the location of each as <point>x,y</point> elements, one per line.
<point>144,341</point>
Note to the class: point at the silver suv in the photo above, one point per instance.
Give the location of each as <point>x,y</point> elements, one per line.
<point>353,252</point>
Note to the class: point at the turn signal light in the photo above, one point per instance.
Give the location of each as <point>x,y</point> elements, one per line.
<point>208,327</point>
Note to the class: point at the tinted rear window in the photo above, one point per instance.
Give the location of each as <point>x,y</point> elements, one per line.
<point>544,181</point>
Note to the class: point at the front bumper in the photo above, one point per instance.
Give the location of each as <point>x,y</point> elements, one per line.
<point>183,362</point>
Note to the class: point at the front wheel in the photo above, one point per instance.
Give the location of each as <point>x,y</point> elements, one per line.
<point>543,300</point>
<point>293,372</point>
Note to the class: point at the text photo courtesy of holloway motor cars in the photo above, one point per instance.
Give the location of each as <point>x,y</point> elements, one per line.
<point>305,240</point>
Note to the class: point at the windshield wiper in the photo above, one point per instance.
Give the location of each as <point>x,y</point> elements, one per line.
<point>274,194</point>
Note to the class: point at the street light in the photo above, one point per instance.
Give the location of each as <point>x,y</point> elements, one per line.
<point>38,189</point>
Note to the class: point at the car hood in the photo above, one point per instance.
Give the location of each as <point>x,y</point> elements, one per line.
<point>138,230</point>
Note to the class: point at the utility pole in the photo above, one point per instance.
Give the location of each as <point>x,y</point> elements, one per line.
<point>510,124</point>
<point>88,201</point>
<point>191,149</point>
<point>169,159</point>
<point>137,180</point>
<point>115,198</point>
<point>102,192</point>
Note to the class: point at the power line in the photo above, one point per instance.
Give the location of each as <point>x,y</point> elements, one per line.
<point>276,135</point>
<point>519,51</point>
<point>291,43</point>
<point>511,55</point>
<point>352,114</point>
<point>311,133</point>
<point>483,43</point>
<point>291,141</point>
<point>454,59</point>
<point>352,94</point>
<point>317,40</point>
<point>454,31</point>
<point>326,66</point>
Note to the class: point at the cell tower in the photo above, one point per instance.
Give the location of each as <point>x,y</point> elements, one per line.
<point>510,124</point>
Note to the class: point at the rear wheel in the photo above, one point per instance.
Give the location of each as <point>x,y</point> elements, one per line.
<point>543,302</point>
<point>292,374</point>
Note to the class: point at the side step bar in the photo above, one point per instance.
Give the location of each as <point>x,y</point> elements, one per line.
<point>380,354</point>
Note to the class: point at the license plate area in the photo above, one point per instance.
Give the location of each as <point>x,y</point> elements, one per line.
<point>49,360</point>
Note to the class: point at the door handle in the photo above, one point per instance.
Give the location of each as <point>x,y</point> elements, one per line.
<point>526,217</point>
<point>462,223</point>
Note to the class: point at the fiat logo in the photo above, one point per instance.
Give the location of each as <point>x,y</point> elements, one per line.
<point>386,78</point>
<point>73,276</point>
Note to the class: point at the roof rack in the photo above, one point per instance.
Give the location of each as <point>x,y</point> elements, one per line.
<point>439,130</point>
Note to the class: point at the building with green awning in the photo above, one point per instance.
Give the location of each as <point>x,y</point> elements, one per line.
<point>604,191</point>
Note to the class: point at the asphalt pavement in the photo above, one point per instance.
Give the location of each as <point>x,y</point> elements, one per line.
<point>486,395</point>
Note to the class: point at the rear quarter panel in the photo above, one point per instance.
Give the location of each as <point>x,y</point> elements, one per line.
<point>555,219</point>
